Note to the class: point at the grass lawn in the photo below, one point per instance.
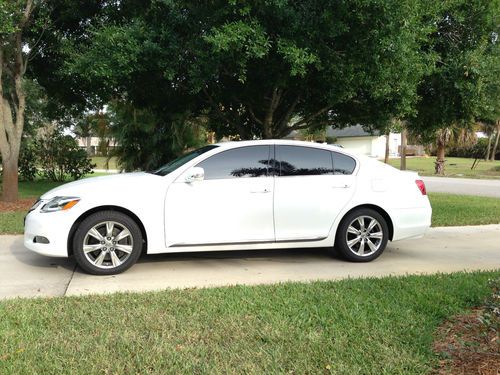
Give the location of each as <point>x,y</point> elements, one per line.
<point>452,210</point>
<point>371,326</point>
<point>455,167</point>
<point>100,162</point>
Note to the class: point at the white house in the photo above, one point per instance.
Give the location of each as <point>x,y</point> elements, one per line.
<point>91,144</point>
<point>356,139</point>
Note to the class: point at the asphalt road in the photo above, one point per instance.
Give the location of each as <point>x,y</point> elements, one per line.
<point>25,274</point>
<point>468,186</point>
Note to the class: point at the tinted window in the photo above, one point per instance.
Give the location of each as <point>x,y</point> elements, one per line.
<point>240,162</point>
<point>176,163</point>
<point>304,161</point>
<point>343,164</point>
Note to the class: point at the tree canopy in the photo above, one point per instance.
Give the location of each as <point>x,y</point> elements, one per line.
<point>258,68</point>
<point>464,83</point>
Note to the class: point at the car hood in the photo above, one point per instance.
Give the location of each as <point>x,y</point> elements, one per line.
<point>116,184</point>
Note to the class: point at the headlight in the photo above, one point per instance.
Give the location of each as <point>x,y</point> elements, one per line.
<point>60,204</point>
<point>35,205</point>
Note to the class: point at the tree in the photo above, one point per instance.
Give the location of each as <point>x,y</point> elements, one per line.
<point>404,141</point>
<point>145,141</point>
<point>458,90</point>
<point>457,135</point>
<point>84,130</point>
<point>497,138</point>
<point>253,66</point>
<point>15,19</point>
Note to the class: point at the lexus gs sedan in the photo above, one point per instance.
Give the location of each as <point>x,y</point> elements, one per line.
<point>268,194</point>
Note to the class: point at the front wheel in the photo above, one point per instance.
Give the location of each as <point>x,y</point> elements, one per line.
<point>362,235</point>
<point>107,243</point>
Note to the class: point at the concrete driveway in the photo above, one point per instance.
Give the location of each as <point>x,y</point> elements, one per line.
<point>25,274</point>
<point>468,186</point>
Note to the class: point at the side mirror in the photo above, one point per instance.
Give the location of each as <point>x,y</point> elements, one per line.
<point>194,174</point>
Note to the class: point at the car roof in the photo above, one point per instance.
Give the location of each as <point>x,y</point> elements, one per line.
<point>233,144</point>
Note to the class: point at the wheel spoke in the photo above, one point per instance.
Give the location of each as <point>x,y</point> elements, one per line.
<point>378,235</point>
<point>371,225</point>
<point>91,248</point>
<point>98,261</point>
<point>114,258</point>
<point>361,222</point>
<point>353,230</point>
<point>361,249</point>
<point>109,228</point>
<point>371,245</point>
<point>125,248</point>
<point>95,233</point>
<point>353,242</point>
<point>123,234</point>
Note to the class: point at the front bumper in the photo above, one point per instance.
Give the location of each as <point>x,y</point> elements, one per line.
<point>55,226</point>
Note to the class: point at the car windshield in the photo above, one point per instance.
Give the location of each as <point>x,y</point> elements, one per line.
<point>181,160</point>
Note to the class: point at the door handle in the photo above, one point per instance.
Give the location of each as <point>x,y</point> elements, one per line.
<point>341,186</point>
<point>260,191</point>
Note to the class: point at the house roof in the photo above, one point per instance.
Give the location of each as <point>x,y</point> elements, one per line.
<point>351,131</point>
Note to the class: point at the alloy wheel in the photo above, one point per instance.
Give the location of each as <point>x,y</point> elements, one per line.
<point>108,244</point>
<point>364,236</point>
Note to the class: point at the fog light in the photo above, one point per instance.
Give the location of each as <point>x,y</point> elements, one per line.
<point>40,239</point>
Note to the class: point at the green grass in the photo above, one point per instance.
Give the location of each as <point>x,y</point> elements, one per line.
<point>371,326</point>
<point>455,167</point>
<point>34,189</point>
<point>100,162</point>
<point>11,222</point>
<point>452,209</point>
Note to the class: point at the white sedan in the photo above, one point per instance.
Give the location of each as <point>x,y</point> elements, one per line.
<point>232,196</point>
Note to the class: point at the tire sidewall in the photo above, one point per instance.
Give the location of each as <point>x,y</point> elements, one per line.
<point>340,238</point>
<point>94,219</point>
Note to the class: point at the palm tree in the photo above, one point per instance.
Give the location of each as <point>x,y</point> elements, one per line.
<point>452,135</point>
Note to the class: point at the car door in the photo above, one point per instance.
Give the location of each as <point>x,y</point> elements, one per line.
<point>312,187</point>
<point>233,204</point>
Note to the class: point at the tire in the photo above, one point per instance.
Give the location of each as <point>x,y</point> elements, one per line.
<point>107,243</point>
<point>371,244</point>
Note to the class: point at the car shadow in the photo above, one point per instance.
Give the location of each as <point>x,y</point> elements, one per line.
<point>30,258</point>
<point>279,255</point>
<point>294,255</point>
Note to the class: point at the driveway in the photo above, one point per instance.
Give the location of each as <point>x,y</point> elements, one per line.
<point>26,274</point>
<point>468,186</point>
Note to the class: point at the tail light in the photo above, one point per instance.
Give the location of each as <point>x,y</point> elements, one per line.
<point>421,186</point>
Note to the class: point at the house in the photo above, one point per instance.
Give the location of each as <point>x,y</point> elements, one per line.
<point>91,144</point>
<point>356,139</point>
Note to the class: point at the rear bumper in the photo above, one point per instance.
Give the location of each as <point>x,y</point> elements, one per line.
<point>410,222</point>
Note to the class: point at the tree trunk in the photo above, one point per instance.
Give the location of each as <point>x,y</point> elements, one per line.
<point>387,143</point>
<point>440,154</point>
<point>403,149</point>
<point>488,149</point>
<point>495,147</point>
<point>11,130</point>
<point>88,141</point>
<point>9,180</point>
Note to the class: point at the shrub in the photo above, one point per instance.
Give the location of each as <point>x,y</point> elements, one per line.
<point>28,159</point>
<point>60,156</point>
<point>477,150</point>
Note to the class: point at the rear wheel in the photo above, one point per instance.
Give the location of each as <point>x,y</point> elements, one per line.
<point>362,235</point>
<point>107,243</point>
